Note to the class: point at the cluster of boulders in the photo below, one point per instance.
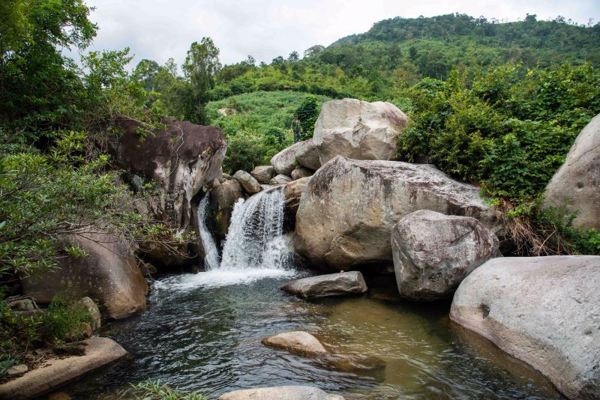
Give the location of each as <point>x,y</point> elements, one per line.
<point>361,211</point>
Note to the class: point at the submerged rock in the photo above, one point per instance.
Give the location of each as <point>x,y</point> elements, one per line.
<point>347,212</point>
<point>281,393</point>
<point>434,252</point>
<point>576,185</point>
<point>544,311</point>
<point>109,273</point>
<point>99,351</point>
<point>298,342</point>
<point>339,284</point>
<point>354,363</point>
<point>358,129</point>
<point>248,182</point>
<point>182,158</point>
<point>263,173</point>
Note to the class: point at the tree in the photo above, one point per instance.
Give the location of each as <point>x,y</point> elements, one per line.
<point>294,56</point>
<point>200,68</point>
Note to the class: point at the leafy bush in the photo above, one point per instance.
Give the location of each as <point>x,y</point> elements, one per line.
<point>63,321</point>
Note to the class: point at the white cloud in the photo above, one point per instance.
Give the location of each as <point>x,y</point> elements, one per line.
<point>160,29</point>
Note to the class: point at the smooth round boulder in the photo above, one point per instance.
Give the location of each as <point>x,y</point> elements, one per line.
<point>292,192</point>
<point>576,185</point>
<point>298,342</point>
<point>248,182</point>
<point>281,393</point>
<point>263,173</point>
<point>109,273</point>
<point>349,207</point>
<point>339,284</point>
<point>544,311</point>
<point>280,180</point>
<point>434,252</point>
<point>358,129</point>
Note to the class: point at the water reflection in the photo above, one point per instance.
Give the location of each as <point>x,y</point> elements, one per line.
<point>208,339</point>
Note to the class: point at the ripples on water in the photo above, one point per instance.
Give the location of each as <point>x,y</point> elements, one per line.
<point>202,333</point>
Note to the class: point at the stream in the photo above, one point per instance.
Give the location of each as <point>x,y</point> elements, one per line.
<point>202,332</point>
<point>203,337</point>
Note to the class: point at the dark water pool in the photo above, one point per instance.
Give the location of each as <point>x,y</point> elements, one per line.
<point>208,339</point>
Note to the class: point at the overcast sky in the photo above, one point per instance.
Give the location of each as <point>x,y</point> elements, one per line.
<point>160,29</point>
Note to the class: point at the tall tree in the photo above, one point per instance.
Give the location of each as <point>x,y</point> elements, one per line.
<point>200,68</point>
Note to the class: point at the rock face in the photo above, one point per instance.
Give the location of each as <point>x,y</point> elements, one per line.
<point>544,311</point>
<point>92,308</point>
<point>301,343</point>
<point>183,158</point>
<point>54,373</point>
<point>434,252</point>
<point>302,153</point>
<point>576,185</point>
<point>339,284</point>
<point>358,129</point>
<point>263,173</point>
<point>222,199</point>
<point>248,182</point>
<point>281,393</point>
<point>347,212</point>
<point>280,180</point>
<point>109,274</point>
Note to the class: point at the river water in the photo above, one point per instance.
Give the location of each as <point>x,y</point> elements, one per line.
<point>201,333</point>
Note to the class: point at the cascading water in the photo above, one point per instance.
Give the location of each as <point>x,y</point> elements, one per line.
<point>211,258</point>
<point>255,246</point>
<point>255,239</point>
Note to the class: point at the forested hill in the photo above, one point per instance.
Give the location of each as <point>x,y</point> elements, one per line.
<point>457,38</point>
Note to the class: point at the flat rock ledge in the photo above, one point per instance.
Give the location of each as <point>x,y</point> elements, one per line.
<point>544,311</point>
<point>281,393</point>
<point>338,284</point>
<point>99,352</point>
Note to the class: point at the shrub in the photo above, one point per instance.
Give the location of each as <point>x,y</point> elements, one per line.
<point>150,390</point>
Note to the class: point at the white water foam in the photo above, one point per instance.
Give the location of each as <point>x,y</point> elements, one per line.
<point>255,246</point>
<point>211,258</point>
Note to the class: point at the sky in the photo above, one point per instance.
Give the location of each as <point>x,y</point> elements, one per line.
<point>265,29</point>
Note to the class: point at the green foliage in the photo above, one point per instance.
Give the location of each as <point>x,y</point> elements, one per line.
<point>63,321</point>
<point>307,114</point>
<point>200,68</point>
<point>46,196</point>
<point>558,226</point>
<point>150,390</point>
<point>507,128</point>
<point>258,125</point>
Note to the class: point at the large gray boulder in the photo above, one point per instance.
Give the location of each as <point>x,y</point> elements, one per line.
<point>281,393</point>
<point>299,154</point>
<point>248,182</point>
<point>263,173</point>
<point>358,129</point>
<point>434,252</point>
<point>182,158</point>
<point>347,212</point>
<point>56,372</point>
<point>544,311</point>
<point>109,274</point>
<point>576,185</point>
<point>339,284</point>
<point>300,173</point>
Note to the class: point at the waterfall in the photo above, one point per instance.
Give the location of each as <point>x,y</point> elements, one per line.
<point>255,246</point>
<point>211,257</point>
<point>255,238</point>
